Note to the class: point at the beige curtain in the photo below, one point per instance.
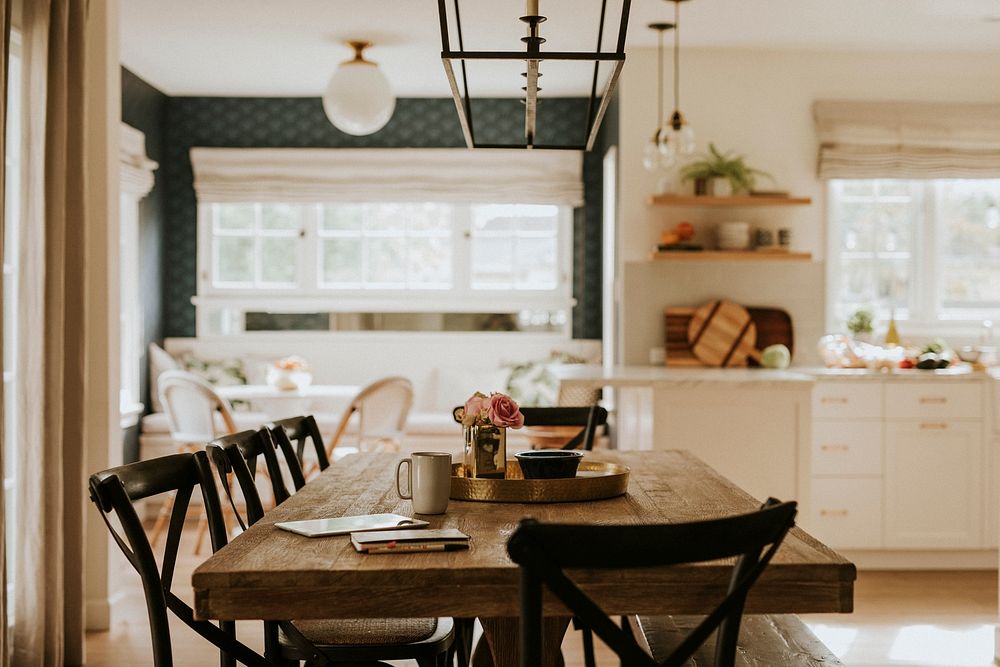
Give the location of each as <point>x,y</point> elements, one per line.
<point>48,605</point>
<point>5,16</point>
<point>907,139</point>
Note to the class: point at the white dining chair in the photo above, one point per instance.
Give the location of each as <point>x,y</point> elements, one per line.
<point>381,408</point>
<point>197,415</point>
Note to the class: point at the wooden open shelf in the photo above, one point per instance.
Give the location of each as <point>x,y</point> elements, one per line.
<point>730,256</point>
<point>704,200</point>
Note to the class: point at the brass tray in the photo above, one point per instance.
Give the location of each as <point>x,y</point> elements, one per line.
<point>594,480</point>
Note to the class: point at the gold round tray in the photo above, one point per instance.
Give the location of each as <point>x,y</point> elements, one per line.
<point>594,481</point>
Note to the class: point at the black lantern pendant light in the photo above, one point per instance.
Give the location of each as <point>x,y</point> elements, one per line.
<point>533,56</point>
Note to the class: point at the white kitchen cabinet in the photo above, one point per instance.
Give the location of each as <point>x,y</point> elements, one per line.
<point>845,511</point>
<point>933,484</point>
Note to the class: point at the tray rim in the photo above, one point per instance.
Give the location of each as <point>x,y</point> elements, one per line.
<point>610,485</point>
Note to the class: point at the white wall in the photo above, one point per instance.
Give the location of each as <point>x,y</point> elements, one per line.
<point>758,103</point>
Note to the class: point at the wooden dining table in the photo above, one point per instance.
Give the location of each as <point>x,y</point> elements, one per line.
<point>268,573</point>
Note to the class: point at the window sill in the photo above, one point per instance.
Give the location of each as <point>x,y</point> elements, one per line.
<point>130,415</point>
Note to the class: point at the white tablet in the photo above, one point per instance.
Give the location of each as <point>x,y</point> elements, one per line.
<point>343,525</point>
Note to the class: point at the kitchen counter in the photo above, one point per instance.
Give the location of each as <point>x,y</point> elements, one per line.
<point>648,376</point>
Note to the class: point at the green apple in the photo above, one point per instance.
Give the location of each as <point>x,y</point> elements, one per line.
<point>775,356</point>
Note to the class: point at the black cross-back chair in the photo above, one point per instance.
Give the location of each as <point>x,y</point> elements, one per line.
<point>544,551</point>
<point>290,436</point>
<point>319,642</point>
<point>114,491</point>
<point>589,418</point>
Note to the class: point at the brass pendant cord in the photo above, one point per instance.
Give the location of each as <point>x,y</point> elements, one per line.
<point>677,56</point>
<point>659,84</point>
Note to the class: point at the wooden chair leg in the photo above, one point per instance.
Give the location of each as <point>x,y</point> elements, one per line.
<point>161,520</point>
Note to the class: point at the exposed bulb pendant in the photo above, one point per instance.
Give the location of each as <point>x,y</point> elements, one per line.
<point>653,158</point>
<point>358,99</point>
<point>676,137</point>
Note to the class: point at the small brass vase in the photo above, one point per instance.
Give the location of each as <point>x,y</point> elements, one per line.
<point>486,451</point>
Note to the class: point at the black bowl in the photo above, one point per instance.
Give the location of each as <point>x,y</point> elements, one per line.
<point>549,463</point>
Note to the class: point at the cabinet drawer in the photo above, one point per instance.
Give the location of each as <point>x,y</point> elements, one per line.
<point>847,448</point>
<point>847,400</point>
<point>846,513</point>
<point>933,400</point>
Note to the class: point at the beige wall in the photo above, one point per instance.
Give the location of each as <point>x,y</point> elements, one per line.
<point>758,103</point>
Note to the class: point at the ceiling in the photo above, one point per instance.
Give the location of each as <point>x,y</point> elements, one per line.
<point>290,48</point>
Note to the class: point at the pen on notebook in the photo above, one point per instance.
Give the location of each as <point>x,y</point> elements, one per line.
<point>391,547</point>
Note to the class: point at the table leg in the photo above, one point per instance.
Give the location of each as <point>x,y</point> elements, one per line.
<point>502,636</point>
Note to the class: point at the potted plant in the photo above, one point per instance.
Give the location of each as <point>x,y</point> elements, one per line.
<point>728,173</point>
<point>860,324</point>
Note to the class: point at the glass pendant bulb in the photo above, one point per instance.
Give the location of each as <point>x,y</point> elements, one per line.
<point>666,146</point>
<point>651,156</point>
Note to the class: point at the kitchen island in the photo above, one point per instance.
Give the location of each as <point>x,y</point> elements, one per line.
<point>894,467</point>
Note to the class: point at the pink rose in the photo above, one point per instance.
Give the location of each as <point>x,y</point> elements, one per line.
<point>475,408</point>
<point>503,411</point>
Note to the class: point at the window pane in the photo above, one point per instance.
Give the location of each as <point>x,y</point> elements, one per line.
<point>279,261</point>
<point>282,217</point>
<point>969,218</point>
<point>386,217</point>
<point>536,263</point>
<point>385,262</point>
<point>515,246</point>
<point>235,217</point>
<point>430,218</point>
<point>492,263</point>
<point>429,262</point>
<point>876,224</point>
<point>342,217</point>
<point>341,261</point>
<point>234,260</point>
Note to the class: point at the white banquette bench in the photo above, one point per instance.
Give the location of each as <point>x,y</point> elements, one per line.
<point>445,368</point>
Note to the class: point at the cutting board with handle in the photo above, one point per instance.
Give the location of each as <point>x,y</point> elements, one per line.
<point>774,326</point>
<point>722,333</point>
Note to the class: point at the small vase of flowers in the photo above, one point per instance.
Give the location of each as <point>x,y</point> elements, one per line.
<point>289,374</point>
<point>485,420</point>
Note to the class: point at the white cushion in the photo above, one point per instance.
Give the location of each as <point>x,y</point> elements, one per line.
<point>158,422</point>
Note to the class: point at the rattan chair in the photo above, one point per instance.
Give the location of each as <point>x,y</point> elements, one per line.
<point>114,492</point>
<point>426,640</point>
<point>545,551</point>
<point>196,415</point>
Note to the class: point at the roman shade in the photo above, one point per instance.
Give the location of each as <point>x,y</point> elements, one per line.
<point>408,174</point>
<point>907,140</point>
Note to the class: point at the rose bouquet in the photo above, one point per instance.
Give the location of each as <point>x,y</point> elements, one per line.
<point>289,374</point>
<point>494,410</point>
<point>485,420</point>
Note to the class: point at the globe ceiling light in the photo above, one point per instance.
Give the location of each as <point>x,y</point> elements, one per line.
<point>358,99</point>
<point>676,138</point>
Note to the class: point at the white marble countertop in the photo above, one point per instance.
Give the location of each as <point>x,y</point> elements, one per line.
<point>625,376</point>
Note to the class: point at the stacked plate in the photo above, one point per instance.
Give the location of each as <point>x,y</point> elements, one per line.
<point>733,235</point>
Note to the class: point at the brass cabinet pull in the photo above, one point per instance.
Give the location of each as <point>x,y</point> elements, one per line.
<point>833,512</point>
<point>933,426</point>
<point>834,448</point>
<point>841,400</point>
<point>933,400</point>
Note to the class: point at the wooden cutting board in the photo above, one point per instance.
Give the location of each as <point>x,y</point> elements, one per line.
<point>721,333</point>
<point>774,327</point>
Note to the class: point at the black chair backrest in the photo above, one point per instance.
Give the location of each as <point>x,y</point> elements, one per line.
<point>296,431</point>
<point>589,418</point>
<point>114,491</point>
<point>544,550</point>
<point>237,454</point>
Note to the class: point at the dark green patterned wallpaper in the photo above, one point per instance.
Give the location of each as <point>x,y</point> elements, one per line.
<point>416,123</point>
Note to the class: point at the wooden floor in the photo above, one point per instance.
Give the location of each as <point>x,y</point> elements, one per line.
<point>928,619</point>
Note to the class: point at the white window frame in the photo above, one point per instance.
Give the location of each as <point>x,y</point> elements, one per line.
<point>925,317</point>
<point>136,181</point>
<point>310,296</point>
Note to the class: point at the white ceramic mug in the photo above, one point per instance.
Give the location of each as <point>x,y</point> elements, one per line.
<point>429,475</point>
